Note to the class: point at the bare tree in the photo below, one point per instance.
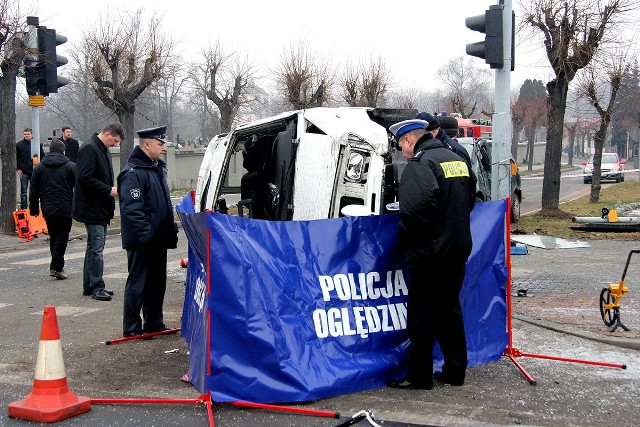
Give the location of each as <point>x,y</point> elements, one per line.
<point>467,88</point>
<point>366,85</point>
<point>602,79</point>
<point>529,111</point>
<point>77,105</point>
<point>13,42</point>
<point>230,78</point>
<point>127,56</point>
<point>304,78</point>
<point>167,92</point>
<point>572,31</point>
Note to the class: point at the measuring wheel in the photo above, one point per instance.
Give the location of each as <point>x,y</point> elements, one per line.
<point>609,314</point>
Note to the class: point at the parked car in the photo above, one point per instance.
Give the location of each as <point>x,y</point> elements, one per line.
<point>611,167</point>
<point>479,150</point>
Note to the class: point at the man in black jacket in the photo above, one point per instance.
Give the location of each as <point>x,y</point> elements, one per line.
<point>436,196</point>
<point>94,204</point>
<point>148,230</point>
<point>24,165</point>
<point>71,145</point>
<point>439,133</point>
<point>52,186</point>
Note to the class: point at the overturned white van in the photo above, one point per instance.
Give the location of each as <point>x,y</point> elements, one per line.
<point>303,165</point>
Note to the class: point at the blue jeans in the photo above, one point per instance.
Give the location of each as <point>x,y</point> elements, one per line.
<point>24,190</point>
<point>93,259</point>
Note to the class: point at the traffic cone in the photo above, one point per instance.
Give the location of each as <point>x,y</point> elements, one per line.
<point>50,399</point>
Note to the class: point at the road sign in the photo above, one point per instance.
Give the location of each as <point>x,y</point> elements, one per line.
<point>36,101</point>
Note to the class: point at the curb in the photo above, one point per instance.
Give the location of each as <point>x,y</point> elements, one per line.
<point>632,343</point>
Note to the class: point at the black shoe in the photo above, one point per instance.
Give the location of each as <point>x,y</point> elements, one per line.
<point>131,334</point>
<point>87,292</point>
<point>404,384</point>
<point>57,274</point>
<point>447,379</point>
<point>101,295</point>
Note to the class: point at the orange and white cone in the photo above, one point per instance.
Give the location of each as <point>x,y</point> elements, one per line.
<point>50,399</point>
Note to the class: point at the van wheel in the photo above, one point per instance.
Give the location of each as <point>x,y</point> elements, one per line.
<point>515,208</point>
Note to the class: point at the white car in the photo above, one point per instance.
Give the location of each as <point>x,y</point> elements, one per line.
<point>611,167</point>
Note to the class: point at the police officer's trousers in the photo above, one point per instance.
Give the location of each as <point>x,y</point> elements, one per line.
<point>434,311</point>
<point>144,290</point>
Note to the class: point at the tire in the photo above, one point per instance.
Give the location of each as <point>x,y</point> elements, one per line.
<point>587,181</point>
<point>621,177</point>
<point>515,208</point>
<point>617,180</point>
<point>449,125</point>
<point>609,315</point>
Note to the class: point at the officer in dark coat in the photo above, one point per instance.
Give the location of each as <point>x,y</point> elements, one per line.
<point>52,187</point>
<point>436,196</point>
<point>148,230</point>
<point>439,133</point>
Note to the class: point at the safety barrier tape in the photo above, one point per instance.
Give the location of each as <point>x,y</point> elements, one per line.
<point>574,175</point>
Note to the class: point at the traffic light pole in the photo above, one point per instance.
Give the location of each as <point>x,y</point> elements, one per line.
<point>33,22</point>
<point>501,119</point>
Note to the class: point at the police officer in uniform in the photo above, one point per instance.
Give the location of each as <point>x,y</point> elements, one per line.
<point>148,230</point>
<point>436,196</point>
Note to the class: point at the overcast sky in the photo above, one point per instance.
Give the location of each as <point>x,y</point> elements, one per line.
<point>415,38</point>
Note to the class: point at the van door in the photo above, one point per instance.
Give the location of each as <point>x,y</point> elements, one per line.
<point>210,172</point>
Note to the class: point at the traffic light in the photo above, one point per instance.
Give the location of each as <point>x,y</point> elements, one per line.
<point>35,78</point>
<point>492,48</point>
<point>50,61</point>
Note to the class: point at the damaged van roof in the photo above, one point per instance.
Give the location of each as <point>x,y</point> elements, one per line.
<point>336,122</point>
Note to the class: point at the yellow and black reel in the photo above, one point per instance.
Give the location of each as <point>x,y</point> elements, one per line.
<point>610,297</point>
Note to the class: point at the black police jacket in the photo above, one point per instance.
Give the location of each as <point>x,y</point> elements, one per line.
<point>92,203</point>
<point>437,194</point>
<point>145,204</point>
<point>52,184</point>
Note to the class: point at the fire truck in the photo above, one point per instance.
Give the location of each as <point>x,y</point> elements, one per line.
<point>457,127</point>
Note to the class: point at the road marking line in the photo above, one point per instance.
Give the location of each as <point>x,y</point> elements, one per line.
<point>3,305</point>
<point>116,276</point>
<point>76,255</point>
<point>71,311</point>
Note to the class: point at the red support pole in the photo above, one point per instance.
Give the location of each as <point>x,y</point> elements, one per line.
<point>566,359</point>
<point>141,336</point>
<point>508,259</point>
<point>304,411</point>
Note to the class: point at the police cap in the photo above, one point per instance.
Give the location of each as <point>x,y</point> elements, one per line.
<point>153,133</point>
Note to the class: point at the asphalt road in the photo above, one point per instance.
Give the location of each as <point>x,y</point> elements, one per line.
<point>570,188</point>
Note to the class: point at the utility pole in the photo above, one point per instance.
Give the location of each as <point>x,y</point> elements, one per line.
<point>498,51</point>
<point>501,119</point>
<point>32,57</point>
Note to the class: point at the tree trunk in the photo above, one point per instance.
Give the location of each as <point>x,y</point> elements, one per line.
<point>8,149</point>
<point>531,137</point>
<point>226,118</point>
<point>597,164</point>
<point>126,145</point>
<point>553,153</point>
<point>572,139</point>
